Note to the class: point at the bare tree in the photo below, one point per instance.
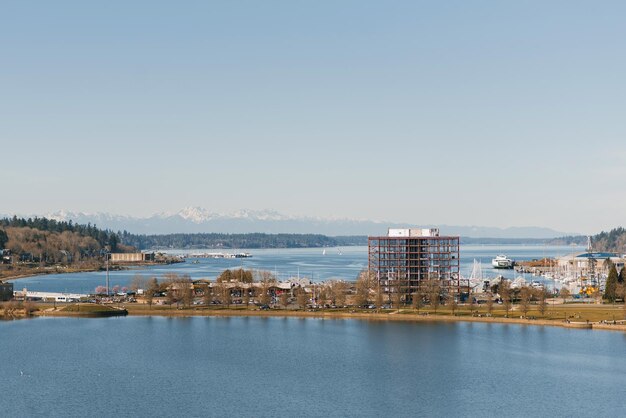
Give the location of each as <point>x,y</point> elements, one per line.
<point>525,295</point>
<point>434,294</point>
<point>284,299</point>
<point>246,296</point>
<point>227,297</point>
<point>152,288</point>
<point>397,297</point>
<point>504,290</point>
<point>364,286</point>
<point>29,308</point>
<point>489,303</point>
<point>170,296</point>
<point>186,292</point>
<point>543,305</point>
<point>207,296</point>
<point>379,296</point>
<point>454,304</point>
<point>138,282</point>
<point>302,298</point>
<point>339,289</point>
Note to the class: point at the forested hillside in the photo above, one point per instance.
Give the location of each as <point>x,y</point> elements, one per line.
<point>45,240</point>
<point>614,240</point>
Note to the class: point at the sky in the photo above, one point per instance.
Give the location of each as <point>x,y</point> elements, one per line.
<point>459,112</point>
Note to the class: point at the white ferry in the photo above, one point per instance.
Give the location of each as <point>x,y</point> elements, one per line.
<point>502,262</point>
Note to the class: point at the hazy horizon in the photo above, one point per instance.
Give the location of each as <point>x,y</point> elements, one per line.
<point>458,113</point>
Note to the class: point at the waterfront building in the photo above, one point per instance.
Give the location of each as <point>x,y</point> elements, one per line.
<point>407,259</point>
<point>590,263</point>
<point>131,257</point>
<point>6,291</point>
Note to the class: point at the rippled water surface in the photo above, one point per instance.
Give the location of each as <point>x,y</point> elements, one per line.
<point>155,366</point>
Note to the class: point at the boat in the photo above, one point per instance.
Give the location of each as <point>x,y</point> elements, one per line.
<point>502,262</point>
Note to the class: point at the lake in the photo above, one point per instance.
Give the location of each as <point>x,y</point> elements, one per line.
<point>344,263</point>
<point>288,367</point>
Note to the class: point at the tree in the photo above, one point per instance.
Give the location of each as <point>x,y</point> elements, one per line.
<point>505,294</point>
<point>454,304</point>
<point>489,303</point>
<point>4,238</point>
<point>138,282</point>
<point>153,287</point>
<point>225,277</point>
<point>611,285</point>
<point>621,292</point>
<point>242,276</point>
<point>227,297</point>
<point>543,305</point>
<point>302,298</point>
<point>363,286</point>
<point>284,299</point>
<point>525,298</point>
<point>186,292</point>
<point>338,290</point>
<point>379,296</point>
<point>470,300</point>
<point>321,294</point>
<point>397,298</point>
<point>170,296</point>
<point>434,294</point>
<point>207,296</point>
<point>418,299</point>
<point>264,296</point>
<point>622,275</point>
<point>564,293</point>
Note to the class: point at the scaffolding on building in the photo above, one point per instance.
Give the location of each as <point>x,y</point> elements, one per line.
<point>411,261</point>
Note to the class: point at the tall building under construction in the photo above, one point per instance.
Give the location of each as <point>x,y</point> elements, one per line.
<point>407,259</point>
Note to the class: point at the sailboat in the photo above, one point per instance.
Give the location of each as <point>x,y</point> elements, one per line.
<point>476,278</point>
<point>324,251</point>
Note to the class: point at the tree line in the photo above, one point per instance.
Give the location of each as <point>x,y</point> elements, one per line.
<point>251,240</point>
<point>611,241</point>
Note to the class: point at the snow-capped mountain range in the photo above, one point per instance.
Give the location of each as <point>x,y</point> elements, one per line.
<point>197,220</point>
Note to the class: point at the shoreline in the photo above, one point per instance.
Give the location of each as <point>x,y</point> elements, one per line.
<point>391,317</point>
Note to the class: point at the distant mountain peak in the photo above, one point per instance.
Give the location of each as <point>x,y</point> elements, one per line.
<point>195,214</point>
<point>195,219</point>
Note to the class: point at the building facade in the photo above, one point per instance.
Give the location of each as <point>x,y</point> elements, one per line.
<point>131,257</point>
<point>6,291</point>
<point>405,260</point>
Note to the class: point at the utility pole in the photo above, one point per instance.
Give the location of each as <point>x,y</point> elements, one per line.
<point>106,262</point>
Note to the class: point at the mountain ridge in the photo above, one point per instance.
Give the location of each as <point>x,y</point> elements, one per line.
<point>201,220</point>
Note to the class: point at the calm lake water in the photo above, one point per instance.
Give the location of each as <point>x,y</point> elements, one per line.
<point>344,263</point>
<point>289,367</point>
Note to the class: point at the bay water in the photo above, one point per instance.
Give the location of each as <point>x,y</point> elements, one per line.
<point>336,263</point>
<point>291,367</point>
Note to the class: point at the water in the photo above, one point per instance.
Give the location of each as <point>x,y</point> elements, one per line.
<point>153,366</point>
<point>344,263</point>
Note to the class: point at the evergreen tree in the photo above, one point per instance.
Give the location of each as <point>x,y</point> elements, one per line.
<point>3,239</point>
<point>622,275</point>
<point>611,285</point>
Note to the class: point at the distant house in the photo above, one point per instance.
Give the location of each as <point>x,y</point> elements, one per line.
<point>131,257</point>
<point>5,256</point>
<point>6,291</point>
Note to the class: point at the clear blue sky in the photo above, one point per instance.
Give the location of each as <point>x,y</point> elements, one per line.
<point>468,112</point>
